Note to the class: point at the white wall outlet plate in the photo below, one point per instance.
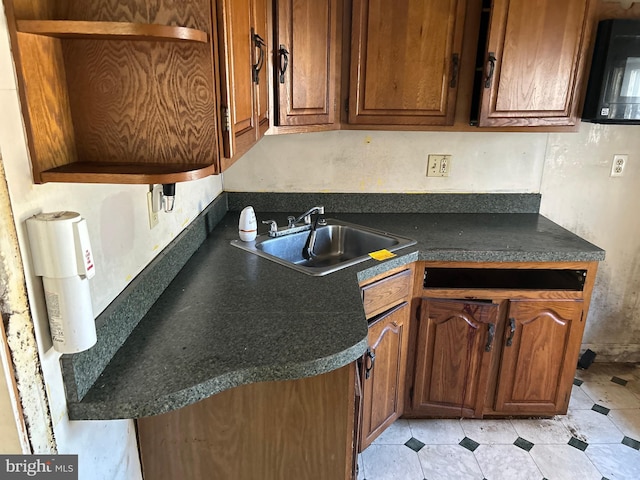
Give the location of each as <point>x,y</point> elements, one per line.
<point>438,165</point>
<point>618,164</point>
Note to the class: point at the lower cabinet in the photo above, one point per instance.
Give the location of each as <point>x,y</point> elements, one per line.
<point>383,373</point>
<point>538,359</point>
<point>455,345</point>
<point>495,357</point>
<point>298,429</point>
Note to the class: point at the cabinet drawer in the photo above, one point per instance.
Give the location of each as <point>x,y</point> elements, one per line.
<point>386,293</point>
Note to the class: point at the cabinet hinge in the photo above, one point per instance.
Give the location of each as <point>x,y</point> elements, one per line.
<point>411,395</point>
<point>225,118</point>
<point>346,106</point>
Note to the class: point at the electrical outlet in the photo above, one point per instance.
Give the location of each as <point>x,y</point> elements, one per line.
<point>153,216</point>
<point>618,164</point>
<point>438,165</point>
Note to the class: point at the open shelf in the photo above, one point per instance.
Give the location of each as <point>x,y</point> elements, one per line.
<point>127,173</point>
<point>122,95</point>
<point>110,30</point>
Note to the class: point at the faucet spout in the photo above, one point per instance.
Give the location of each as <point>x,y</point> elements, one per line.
<point>307,251</point>
<point>306,216</point>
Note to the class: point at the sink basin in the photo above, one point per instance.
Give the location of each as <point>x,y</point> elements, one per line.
<point>338,245</point>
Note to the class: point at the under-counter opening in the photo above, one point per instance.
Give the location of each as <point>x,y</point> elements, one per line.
<point>505,278</point>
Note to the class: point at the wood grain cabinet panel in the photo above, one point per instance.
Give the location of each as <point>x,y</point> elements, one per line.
<point>533,62</point>
<point>455,343</point>
<point>386,293</point>
<point>384,373</point>
<point>539,353</point>
<point>244,47</point>
<point>120,93</point>
<point>307,53</point>
<point>405,58</point>
<point>294,429</point>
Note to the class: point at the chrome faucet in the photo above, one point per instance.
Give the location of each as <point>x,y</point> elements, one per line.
<point>294,226</point>
<point>306,216</point>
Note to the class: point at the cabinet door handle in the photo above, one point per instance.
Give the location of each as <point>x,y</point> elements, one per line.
<point>260,45</point>
<point>455,66</point>
<point>492,332</point>
<point>369,361</point>
<point>284,61</point>
<point>512,331</point>
<point>491,66</point>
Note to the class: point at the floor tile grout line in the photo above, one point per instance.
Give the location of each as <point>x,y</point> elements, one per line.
<point>594,465</point>
<point>419,462</point>
<point>484,475</point>
<point>588,396</point>
<point>536,463</point>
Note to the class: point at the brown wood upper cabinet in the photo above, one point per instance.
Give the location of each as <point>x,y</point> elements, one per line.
<point>533,62</point>
<point>307,56</point>
<point>405,59</point>
<point>244,50</point>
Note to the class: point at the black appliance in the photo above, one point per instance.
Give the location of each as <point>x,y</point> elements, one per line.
<point>613,92</point>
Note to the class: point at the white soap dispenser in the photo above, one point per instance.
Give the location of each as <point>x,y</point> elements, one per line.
<point>248,227</point>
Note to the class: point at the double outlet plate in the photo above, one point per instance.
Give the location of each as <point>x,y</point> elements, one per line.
<point>438,165</point>
<point>618,164</point>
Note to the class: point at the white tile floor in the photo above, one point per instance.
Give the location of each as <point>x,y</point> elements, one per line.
<point>598,439</point>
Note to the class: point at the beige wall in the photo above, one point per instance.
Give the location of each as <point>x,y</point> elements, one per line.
<point>578,193</point>
<point>367,161</point>
<point>571,170</point>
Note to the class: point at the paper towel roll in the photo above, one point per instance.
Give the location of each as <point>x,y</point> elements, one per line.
<point>71,320</point>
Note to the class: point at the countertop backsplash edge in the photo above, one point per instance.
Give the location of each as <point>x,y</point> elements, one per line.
<point>387,202</point>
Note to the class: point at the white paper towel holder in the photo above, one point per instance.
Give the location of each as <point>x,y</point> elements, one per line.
<point>62,256</point>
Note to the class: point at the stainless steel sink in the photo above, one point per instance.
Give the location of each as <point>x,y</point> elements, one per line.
<point>338,245</point>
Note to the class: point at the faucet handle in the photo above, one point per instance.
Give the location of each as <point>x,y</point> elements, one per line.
<point>273,225</point>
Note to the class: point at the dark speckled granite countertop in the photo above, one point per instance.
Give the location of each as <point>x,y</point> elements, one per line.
<point>230,317</point>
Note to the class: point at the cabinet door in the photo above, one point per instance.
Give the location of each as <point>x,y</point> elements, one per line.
<point>384,373</point>
<point>307,61</point>
<point>243,44</point>
<point>453,354</point>
<point>405,60</point>
<point>539,354</point>
<point>534,58</point>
